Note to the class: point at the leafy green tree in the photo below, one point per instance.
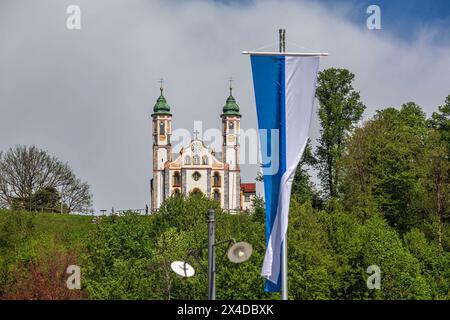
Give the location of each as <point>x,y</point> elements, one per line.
<point>401,276</point>
<point>183,212</point>
<point>441,121</point>
<point>311,262</point>
<point>258,209</point>
<point>340,109</point>
<point>46,199</point>
<point>434,262</point>
<point>172,245</point>
<point>355,164</point>
<point>435,183</point>
<point>302,187</point>
<point>343,236</point>
<point>240,281</point>
<point>438,182</point>
<point>119,253</point>
<point>411,118</point>
<point>383,169</point>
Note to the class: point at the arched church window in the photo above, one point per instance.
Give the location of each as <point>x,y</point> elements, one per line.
<point>216,179</point>
<point>205,160</point>
<point>196,160</point>
<point>217,196</point>
<point>162,129</point>
<point>231,125</point>
<point>196,192</point>
<point>176,179</point>
<point>187,160</point>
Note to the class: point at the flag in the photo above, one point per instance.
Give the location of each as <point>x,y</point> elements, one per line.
<point>284,91</point>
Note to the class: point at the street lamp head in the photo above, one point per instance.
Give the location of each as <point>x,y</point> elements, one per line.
<point>182,268</point>
<point>240,252</point>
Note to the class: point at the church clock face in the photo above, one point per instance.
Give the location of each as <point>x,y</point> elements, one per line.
<point>196,147</point>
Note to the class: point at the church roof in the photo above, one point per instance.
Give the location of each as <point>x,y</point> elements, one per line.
<point>161,106</point>
<point>231,108</point>
<point>248,187</point>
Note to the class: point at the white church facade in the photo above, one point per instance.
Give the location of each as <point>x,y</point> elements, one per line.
<point>196,168</point>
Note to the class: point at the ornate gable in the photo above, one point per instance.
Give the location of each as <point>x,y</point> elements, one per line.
<point>196,154</point>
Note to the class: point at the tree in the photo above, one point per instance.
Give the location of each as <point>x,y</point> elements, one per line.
<point>76,195</point>
<point>46,199</point>
<point>396,165</point>
<point>441,121</point>
<point>311,262</point>
<point>434,262</point>
<point>258,209</point>
<point>340,109</point>
<point>381,164</point>
<point>27,172</point>
<point>438,181</point>
<point>435,180</point>
<point>401,275</point>
<point>119,260</point>
<point>302,187</point>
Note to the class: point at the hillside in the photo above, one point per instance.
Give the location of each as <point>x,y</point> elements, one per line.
<point>129,256</point>
<point>35,249</point>
<point>66,229</point>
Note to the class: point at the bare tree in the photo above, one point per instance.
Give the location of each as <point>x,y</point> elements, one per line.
<point>76,196</point>
<point>26,170</point>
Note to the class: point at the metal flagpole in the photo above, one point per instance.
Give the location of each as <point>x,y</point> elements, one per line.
<point>284,270</point>
<point>284,260</point>
<point>211,255</point>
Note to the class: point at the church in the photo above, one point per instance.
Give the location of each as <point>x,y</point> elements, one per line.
<point>197,168</point>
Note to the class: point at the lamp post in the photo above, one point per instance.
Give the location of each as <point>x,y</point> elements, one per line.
<point>237,253</point>
<point>211,254</point>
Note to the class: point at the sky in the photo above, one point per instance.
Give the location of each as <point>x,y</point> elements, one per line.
<point>86,95</point>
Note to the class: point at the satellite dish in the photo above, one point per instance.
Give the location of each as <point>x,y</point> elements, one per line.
<point>240,252</point>
<point>182,268</point>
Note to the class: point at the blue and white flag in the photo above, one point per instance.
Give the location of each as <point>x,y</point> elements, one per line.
<point>284,90</point>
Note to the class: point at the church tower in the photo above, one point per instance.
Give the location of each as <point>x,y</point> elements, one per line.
<point>231,125</point>
<point>162,149</point>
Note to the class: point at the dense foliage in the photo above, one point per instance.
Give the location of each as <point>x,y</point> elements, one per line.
<point>129,256</point>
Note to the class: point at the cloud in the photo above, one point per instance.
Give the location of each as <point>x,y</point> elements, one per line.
<point>87,95</point>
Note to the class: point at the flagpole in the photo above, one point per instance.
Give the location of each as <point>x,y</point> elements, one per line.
<point>284,257</point>
<point>284,270</point>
